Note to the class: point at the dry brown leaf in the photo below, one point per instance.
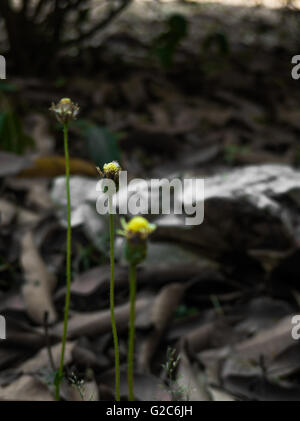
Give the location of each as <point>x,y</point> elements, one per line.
<point>146,386</point>
<point>99,322</point>
<point>98,278</point>
<point>54,166</point>
<point>89,391</point>
<point>286,363</point>
<point>40,283</point>
<point>191,380</point>
<point>268,342</point>
<point>210,335</point>
<point>200,337</point>
<point>26,388</point>
<point>244,358</point>
<point>41,359</point>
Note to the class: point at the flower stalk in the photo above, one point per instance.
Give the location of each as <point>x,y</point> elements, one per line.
<point>65,111</point>
<point>112,299</point>
<point>136,232</point>
<point>132,293</point>
<point>111,171</point>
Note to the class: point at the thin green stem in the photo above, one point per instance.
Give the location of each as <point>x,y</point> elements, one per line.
<point>112,298</point>
<point>68,266</point>
<point>132,286</point>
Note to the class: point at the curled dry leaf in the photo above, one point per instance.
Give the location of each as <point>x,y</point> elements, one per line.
<point>99,322</point>
<point>163,309</point>
<point>268,342</point>
<point>40,283</point>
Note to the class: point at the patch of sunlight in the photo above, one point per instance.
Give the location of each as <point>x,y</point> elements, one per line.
<point>272,4</point>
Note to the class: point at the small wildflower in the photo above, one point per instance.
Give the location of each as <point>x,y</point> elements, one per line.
<point>111,168</point>
<point>136,231</point>
<point>137,227</point>
<point>111,171</point>
<point>65,111</point>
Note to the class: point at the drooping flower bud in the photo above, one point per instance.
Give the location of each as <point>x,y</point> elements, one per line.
<point>65,110</point>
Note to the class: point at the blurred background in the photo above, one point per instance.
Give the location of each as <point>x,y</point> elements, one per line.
<point>170,89</point>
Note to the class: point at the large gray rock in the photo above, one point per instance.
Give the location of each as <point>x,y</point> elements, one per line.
<point>249,208</point>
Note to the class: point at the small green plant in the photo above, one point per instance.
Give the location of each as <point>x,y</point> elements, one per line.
<point>176,390</point>
<point>77,384</point>
<point>82,386</point>
<point>65,111</point>
<point>111,171</point>
<point>136,232</point>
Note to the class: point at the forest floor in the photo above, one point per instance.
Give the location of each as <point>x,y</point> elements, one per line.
<point>222,99</point>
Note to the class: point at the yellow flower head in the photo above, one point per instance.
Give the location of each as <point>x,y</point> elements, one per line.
<point>111,170</point>
<point>138,226</point>
<point>65,111</point>
<point>65,101</point>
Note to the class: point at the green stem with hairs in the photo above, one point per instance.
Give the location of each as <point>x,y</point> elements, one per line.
<point>132,286</point>
<point>112,298</point>
<point>68,267</point>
